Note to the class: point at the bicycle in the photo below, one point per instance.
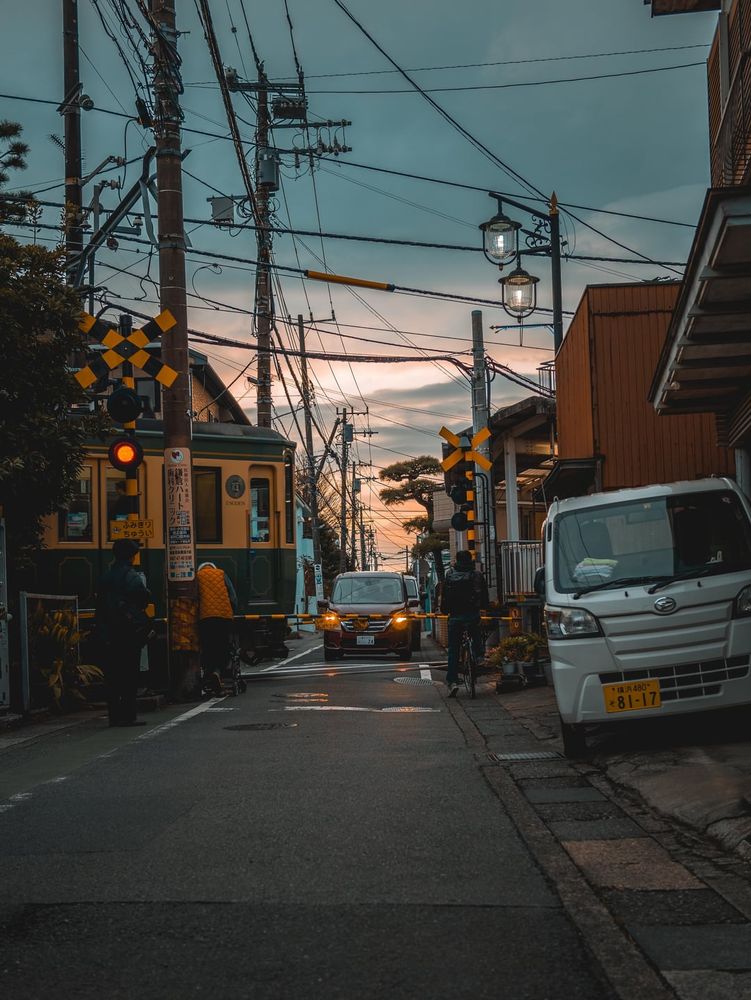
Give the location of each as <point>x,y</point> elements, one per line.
<point>468,662</point>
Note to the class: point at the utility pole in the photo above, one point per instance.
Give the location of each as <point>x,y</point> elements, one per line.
<point>182,592</point>
<point>355,491</point>
<point>346,438</point>
<point>264,308</point>
<point>483,481</point>
<point>363,553</point>
<point>312,491</point>
<point>71,112</point>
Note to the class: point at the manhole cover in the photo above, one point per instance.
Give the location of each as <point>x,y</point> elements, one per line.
<point>503,758</point>
<point>414,681</point>
<point>261,726</point>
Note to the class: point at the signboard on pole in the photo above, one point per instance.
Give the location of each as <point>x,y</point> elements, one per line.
<point>179,491</point>
<point>142,528</point>
<point>318,576</point>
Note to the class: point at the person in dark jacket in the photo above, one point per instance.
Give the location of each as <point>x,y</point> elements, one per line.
<point>123,628</point>
<point>463,598</point>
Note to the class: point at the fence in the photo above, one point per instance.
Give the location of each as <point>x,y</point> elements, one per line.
<point>519,563</point>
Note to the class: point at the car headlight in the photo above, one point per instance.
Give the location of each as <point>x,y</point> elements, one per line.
<point>570,623</point>
<point>399,621</point>
<point>743,602</point>
<point>330,620</point>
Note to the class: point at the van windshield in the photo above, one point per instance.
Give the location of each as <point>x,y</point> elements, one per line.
<point>651,540</point>
<point>367,590</point>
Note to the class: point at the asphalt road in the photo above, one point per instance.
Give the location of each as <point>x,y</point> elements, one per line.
<point>327,833</point>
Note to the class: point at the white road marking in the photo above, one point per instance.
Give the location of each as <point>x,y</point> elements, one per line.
<point>425,672</point>
<point>5,808</point>
<point>276,666</point>
<point>20,796</point>
<point>180,718</point>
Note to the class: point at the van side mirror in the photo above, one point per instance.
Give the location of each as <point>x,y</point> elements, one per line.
<point>539,583</point>
<point>323,606</point>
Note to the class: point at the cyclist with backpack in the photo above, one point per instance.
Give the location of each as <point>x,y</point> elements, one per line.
<point>463,598</point>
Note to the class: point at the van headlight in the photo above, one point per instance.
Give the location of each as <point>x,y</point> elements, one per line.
<point>400,621</point>
<point>743,603</point>
<point>570,623</point>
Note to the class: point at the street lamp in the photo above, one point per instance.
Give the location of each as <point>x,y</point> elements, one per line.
<point>519,295</point>
<point>500,245</point>
<point>500,237</point>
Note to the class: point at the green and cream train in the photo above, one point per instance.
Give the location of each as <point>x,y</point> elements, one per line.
<point>244,519</point>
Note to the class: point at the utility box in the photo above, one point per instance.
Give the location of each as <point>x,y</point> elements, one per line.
<point>268,169</point>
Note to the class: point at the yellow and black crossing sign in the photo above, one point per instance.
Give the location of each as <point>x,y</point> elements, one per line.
<point>131,348</point>
<point>464,454</point>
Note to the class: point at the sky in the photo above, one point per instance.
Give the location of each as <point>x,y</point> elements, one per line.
<point>627,142</point>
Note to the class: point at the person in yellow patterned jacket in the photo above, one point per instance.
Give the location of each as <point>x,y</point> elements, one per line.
<point>217,603</point>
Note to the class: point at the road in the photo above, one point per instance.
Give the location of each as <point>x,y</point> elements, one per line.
<point>333,832</point>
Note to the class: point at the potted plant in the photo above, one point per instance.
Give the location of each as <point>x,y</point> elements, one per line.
<point>519,659</point>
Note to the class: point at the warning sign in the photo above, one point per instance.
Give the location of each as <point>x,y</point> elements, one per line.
<point>179,496</point>
<point>143,528</point>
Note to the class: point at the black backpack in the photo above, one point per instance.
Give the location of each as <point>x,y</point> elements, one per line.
<point>462,592</point>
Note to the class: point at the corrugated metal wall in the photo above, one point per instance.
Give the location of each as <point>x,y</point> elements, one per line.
<point>574,389</point>
<point>621,329</point>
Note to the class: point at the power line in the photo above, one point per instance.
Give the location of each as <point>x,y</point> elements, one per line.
<point>509,86</point>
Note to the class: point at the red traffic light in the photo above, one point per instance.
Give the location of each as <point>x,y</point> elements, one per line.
<point>125,453</point>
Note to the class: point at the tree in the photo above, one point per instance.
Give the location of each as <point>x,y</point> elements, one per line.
<point>13,153</point>
<point>41,443</point>
<point>415,484</point>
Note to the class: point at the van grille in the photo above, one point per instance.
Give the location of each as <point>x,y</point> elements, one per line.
<point>690,680</point>
<point>378,625</point>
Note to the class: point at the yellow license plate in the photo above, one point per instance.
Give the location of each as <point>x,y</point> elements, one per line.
<point>631,696</point>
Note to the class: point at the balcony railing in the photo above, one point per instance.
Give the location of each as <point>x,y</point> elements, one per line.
<point>519,562</point>
<point>731,148</point>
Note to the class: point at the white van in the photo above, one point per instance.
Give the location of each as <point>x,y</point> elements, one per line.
<point>648,603</point>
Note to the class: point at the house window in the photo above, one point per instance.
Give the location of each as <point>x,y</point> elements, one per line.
<point>260,509</point>
<point>75,522</point>
<point>207,505</point>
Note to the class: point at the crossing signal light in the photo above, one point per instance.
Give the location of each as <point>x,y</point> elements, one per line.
<point>124,406</point>
<point>125,453</point>
<point>463,495</point>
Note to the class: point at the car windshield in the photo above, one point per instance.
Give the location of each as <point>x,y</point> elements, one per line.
<point>643,541</point>
<point>367,590</point>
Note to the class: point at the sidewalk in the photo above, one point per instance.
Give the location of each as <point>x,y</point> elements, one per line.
<point>694,769</point>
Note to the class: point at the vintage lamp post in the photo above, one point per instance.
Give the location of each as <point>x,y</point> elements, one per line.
<point>501,245</point>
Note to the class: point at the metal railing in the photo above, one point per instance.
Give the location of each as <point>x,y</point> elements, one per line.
<point>731,149</point>
<point>519,562</point>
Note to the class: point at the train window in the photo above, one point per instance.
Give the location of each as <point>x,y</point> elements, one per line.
<point>289,499</point>
<point>260,509</point>
<point>75,523</point>
<point>118,504</point>
<point>207,505</point>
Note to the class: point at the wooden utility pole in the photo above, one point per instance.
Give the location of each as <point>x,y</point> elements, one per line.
<point>263,273</point>
<point>71,110</point>
<point>312,485</point>
<point>363,550</point>
<point>182,593</point>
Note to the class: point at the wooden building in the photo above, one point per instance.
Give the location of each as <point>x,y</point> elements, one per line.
<point>609,436</point>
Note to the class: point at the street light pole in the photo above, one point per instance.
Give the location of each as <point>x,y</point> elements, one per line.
<point>500,247</point>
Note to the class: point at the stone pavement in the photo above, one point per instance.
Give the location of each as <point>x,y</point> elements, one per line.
<point>644,882</point>
<point>695,769</point>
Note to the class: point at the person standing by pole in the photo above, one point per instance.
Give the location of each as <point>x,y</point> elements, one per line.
<point>123,628</point>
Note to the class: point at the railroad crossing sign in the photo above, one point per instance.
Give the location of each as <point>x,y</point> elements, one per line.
<point>462,452</point>
<point>142,528</point>
<point>131,348</point>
